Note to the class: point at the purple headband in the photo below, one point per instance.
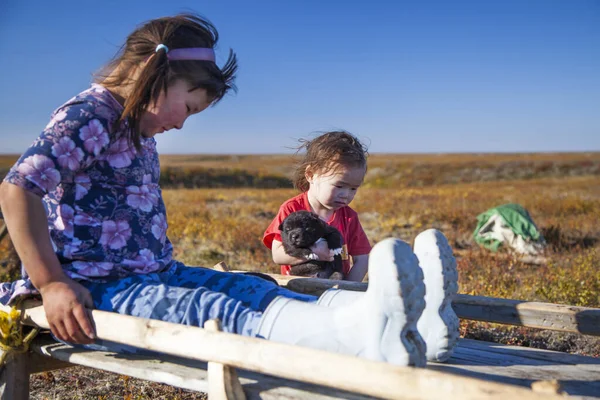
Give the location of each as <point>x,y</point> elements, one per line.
<point>190,53</point>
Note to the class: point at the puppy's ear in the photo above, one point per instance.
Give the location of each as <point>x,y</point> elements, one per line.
<point>280,226</point>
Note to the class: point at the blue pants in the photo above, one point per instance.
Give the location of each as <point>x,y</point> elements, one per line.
<point>190,296</point>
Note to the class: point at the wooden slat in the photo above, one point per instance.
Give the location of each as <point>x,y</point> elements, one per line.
<point>317,286</point>
<point>14,378</point>
<point>557,317</point>
<point>577,375</point>
<point>184,373</point>
<point>585,364</point>
<point>299,363</point>
<point>223,381</point>
<point>38,363</point>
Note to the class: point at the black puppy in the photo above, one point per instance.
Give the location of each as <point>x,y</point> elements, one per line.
<point>299,231</point>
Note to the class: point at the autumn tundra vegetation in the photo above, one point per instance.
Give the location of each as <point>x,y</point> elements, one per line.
<point>219,206</point>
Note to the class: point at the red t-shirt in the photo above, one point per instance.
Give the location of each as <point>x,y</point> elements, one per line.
<point>344,219</point>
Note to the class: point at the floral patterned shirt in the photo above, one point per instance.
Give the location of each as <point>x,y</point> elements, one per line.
<point>106,216</point>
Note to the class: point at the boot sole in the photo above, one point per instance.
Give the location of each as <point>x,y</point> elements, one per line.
<point>439,323</point>
<point>396,284</point>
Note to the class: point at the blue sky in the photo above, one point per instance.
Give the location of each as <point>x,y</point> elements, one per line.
<point>405,76</point>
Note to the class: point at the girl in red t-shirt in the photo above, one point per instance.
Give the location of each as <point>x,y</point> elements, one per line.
<point>329,176</point>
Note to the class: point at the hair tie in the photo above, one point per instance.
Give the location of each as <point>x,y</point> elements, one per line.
<point>188,53</point>
<point>192,53</point>
<point>161,46</point>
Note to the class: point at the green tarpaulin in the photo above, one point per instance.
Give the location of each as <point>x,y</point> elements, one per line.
<point>508,224</point>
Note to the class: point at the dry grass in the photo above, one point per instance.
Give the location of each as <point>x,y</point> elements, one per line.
<point>80,383</point>
<point>403,195</point>
<point>209,225</point>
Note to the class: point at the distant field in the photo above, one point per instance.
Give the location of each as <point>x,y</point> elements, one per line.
<point>385,170</point>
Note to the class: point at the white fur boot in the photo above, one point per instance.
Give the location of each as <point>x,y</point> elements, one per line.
<point>380,325</point>
<point>438,325</point>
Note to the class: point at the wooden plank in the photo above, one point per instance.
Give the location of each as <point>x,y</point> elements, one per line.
<point>189,374</point>
<point>316,286</point>
<point>583,363</point>
<point>557,317</point>
<point>301,364</point>
<point>576,375</point>
<point>223,381</point>
<point>184,373</point>
<point>38,363</point>
<point>14,378</point>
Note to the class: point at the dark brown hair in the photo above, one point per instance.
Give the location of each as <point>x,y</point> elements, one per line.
<point>327,153</point>
<point>180,31</point>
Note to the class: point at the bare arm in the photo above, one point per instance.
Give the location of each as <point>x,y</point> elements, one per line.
<point>359,268</point>
<point>64,299</point>
<point>282,258</point>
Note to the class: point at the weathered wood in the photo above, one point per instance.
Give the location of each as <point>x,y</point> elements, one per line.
<point>530,355</point>
<point>37,363</point>
<point>577,375</point>
<point>221,266</point>
<point>557,317</point>
<point>223,382</point>
<point>184,373</point>
<point>14,378</point>
<point>316,286</point>
<point>301,364</point>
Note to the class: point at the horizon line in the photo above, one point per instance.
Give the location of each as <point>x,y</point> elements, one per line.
<point>3,154</point>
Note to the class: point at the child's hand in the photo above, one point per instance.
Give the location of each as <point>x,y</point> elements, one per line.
<point>65,303</point>
<point>321,249</point>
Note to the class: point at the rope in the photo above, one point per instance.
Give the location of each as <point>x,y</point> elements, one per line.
<point>12,339</point>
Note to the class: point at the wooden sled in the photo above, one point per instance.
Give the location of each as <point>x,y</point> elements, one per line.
<point>228,366</point>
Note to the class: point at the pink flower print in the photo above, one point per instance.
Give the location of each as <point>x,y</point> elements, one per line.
<point>68,155</point>
<point>141,197</point>
<point>71,248</point>
<point>82,218</point>
<point>82,185</point>
<point>143,263</point>
<point>40,170</point>
<point>88,268</point>
<point>115,234</point>
<point>64,219</point>
<point>94,137</point>
<point>120,154</point>
<point>59,116</point>
<point>159,227</point>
